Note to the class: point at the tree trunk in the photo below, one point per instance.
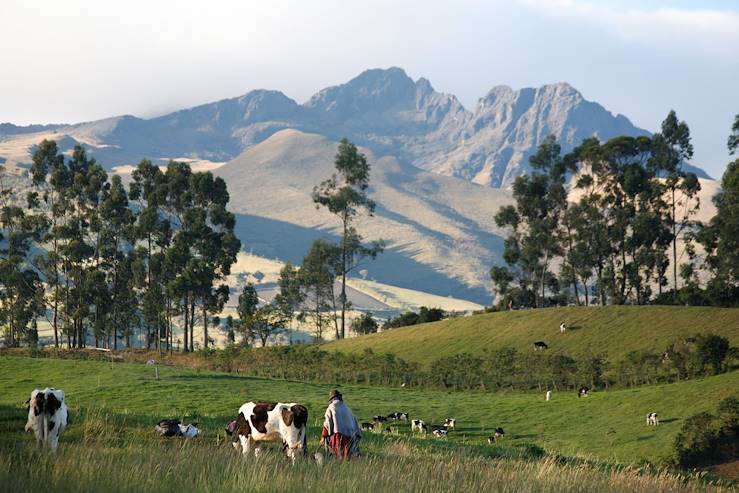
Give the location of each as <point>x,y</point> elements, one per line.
<point>205,326</point>
<point>674,245</point>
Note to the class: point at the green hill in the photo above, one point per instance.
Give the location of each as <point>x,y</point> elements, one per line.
<point>615,330</point>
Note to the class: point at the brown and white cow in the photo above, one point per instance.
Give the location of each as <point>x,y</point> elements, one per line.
<point>272,422</point>
<point>47,416</point>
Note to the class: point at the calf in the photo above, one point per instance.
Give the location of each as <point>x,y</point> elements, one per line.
<point>173,428</point>
<point>367,426</point>
<point>417,425</point>
<point>47,416</point>
<point>540,345</point>
<point>441,433</point>
<point>583,392</point>
<point>652,419</point>
<point>450,423</point>
<point>562,328</point>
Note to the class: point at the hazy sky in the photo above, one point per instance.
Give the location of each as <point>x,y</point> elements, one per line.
<point>75,60</point>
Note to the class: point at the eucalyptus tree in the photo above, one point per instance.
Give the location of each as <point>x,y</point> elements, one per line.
<point>345,195</point>
<point>720,237</point>
<point>533,225</point>
<point>118,237</point>
<point>21,291</point>
<point>317,274</point>
<point>51,178</point>
<point>290,297</point>
<point>673,149</point>
<point>246,308</point>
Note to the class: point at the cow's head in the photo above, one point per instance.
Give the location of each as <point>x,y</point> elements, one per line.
<point>293,429</point>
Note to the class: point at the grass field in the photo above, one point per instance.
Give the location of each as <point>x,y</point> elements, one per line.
<point>607,425</point>
<point>615,330</point>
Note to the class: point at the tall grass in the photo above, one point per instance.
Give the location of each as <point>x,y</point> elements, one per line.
<point>201,466</point>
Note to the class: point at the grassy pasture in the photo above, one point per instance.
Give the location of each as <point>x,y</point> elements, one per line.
<point>615,330</point>
<point>606,426</point>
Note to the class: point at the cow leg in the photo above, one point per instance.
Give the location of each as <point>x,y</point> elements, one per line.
<point>245,444</point>
<point>257,450</point>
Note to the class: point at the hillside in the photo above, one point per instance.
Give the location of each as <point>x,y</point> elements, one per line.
<point>615,330</point>
<point>439,230</point>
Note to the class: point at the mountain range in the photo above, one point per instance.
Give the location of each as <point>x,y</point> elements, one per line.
<point>439,171</point>
<point>382,109</point>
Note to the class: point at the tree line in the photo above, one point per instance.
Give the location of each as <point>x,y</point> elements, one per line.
<point>97,258</point>
<point>616,243</point>
<point>104,261</point>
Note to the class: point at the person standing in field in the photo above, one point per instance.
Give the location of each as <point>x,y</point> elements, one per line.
<point>340,434</point>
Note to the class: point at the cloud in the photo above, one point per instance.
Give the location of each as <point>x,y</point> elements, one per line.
<point>706,31</point>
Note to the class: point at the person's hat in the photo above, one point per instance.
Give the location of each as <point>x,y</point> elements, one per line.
<point>334,394</point>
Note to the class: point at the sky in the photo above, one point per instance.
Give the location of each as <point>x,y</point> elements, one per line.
<point>81,60</point>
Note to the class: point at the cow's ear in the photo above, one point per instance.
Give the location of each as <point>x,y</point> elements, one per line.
<point>287,416</point>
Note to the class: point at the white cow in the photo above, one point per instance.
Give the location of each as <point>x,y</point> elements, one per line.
<point>47,416</point>
<point>272,422</point>
<point>549,395</point>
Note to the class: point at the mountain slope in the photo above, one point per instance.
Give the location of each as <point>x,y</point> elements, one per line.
<point>439,230</point>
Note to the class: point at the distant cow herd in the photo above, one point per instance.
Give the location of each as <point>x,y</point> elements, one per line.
<point>255,423</point>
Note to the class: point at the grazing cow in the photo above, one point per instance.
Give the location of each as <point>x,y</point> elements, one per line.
<point>47,416</point>
<point>549,395</point>
<point>540,345</point>
<point>398,416</point>
<point>583,392</point>
<point>272,421</point>
<point>450,423</point>
<point>496,435</point>
<point>379,419</point>
<point>417,425</point>
<point>562,328</point>
<point>652,419</point>
<point>367,426</point>
<point>441,433</point>
<point>391,430</point>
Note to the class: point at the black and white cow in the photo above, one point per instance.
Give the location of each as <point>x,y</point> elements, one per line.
<point>441,433</point>
<point>540,345</point>
<point>47,416</point>
<point>418,425</point>
<point>562,328</point>
<point>174,428</point>
<point>450,423</point>
<point>652,419</point>
<point>273,422</point>
<point>398,416</point>
<point>499,433</point>
<point>367,426</point>
<point>379,419</point>
<point>583,392</point>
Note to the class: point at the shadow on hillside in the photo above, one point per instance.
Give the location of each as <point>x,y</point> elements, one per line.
<point>274,239</point>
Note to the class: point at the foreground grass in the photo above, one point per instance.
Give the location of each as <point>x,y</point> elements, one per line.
<point>99,464</point>
<point>614,330</point>
<point>606,426</point>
